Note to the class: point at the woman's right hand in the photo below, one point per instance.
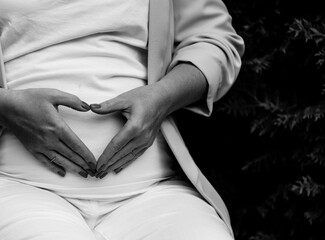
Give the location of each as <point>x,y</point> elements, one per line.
<point>32,116</point>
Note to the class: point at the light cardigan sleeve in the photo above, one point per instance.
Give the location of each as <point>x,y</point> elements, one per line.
<point>204,37</point>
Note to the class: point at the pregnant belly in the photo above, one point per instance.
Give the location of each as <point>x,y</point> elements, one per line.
<point>96,131</point>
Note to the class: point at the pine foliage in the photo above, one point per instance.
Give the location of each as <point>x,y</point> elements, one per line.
<point>281,94</point>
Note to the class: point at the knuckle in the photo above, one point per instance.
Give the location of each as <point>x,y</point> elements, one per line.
<point>45,143</point>
<point>61,162</point>
<point>68,155</point>
<point>123,100</point>
<point>53,128</point>
<point>116,147</point>
<point>59,126</point>
<point>78,149</point>
<point>135,127</point>
<point>122,154</point>
<point>41,146</point>
<point>75,99</point>
<point>55,93</point>
<point>130,157</point>
<point>106,105</point>
<point>56,160</point>
<point>146,138</point>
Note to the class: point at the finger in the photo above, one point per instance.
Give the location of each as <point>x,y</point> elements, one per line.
<point>69,100</point>
<point>58,159</point>
<point>74,157</point>
<point>125,135</point>
<point>127,149</point>
<point>121,162</point>
<point>127,160</point>
<point>112,105</point>
<point>124,160</point>
<point>71,140</point>
<point>129,163</point>
<point>50,165</point>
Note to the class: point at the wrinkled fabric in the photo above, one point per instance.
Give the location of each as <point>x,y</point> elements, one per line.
<point>171,210</point>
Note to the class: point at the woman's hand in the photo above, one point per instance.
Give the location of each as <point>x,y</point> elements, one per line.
<point>144,108</point>
<point>32,116</point>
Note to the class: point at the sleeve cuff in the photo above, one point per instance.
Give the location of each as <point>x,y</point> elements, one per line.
<point>212,70</point>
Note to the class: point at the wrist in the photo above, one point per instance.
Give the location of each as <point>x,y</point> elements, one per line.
<point>167,97</point>
<point>161,97</point>
<point>6,98</point>
<point>185,84</point>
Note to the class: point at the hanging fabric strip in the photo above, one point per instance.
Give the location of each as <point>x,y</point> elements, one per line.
<point>3,83</point>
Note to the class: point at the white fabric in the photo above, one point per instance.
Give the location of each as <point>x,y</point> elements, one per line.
<point>168,211</point>
<point>98,55</point>
<point>160,30</point>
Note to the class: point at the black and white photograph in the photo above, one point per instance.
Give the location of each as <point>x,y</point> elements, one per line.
<point>162,120</point>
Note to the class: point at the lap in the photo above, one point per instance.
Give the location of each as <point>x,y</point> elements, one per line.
<point>172,212</point>
<point>30,213</point>
<point>167,211</point>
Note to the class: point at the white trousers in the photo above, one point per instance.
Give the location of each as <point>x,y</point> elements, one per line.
<point>170,210</point>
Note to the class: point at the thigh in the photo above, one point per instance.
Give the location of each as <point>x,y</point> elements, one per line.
<point>170,211</point>
<point>30,213</point>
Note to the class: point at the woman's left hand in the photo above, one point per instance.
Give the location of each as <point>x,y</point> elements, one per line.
<point>144,108</point>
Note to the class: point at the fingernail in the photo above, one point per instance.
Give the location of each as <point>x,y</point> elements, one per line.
<point>92,166</point>
<point>83,174</point>
<point>103,175</point>
<point>118,170</point>
<point>95,106</point>
<point>85,106</point>
<point>61,173</point>
<point>99,173</point>
<point>91,172</point>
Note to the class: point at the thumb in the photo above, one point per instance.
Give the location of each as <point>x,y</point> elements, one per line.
<point>69,100</point>
<point>109,106</point>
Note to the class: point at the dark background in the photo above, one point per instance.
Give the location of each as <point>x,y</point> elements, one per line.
<point>263,147</point>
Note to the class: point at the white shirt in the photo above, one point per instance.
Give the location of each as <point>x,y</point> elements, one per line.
<point>93,49</point>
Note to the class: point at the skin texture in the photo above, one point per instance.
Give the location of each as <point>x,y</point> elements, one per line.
<point>145,108</point>
<point>46,135</point>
